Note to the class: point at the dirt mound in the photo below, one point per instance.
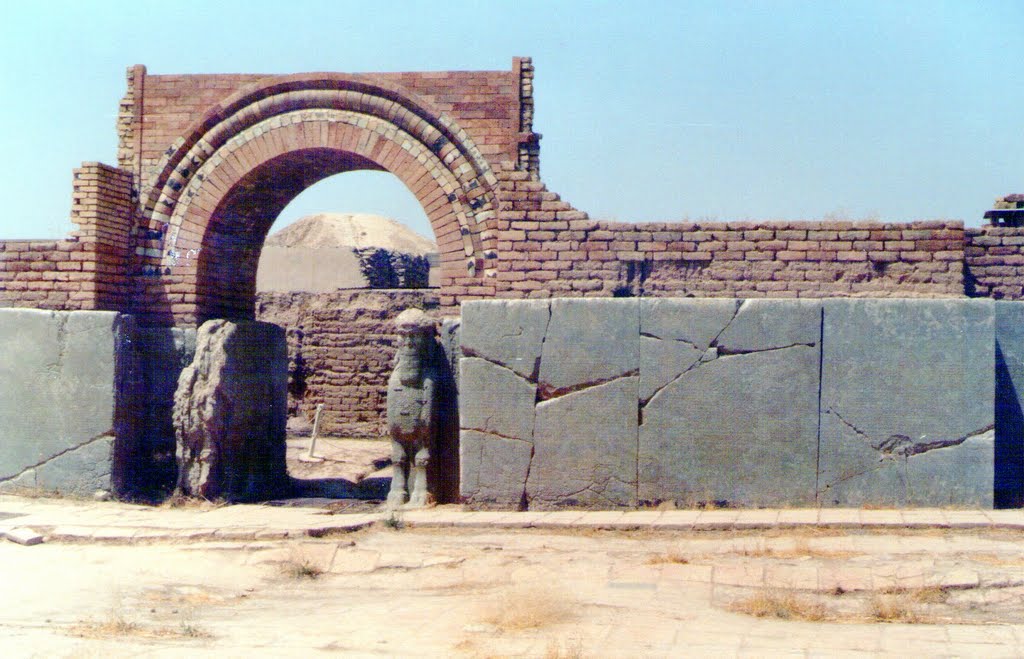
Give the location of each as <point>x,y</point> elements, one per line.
<point>358,230</point>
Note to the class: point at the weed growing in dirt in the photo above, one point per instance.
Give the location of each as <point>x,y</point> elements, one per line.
<point>784,606</point>
<point>528,608</point>
<point>571,649</point>
<point>672,557</point>
<point>394,522</point>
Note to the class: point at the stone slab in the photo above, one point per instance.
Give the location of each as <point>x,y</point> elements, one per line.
<point>493,469</point>
<point>585,446</point>
<point>901,378</point>
<point>1009,401</point>
<point>496,400</point>
<point>589,341</point>
<point>739,426</point>
<point>509,333</point>
<point>59,371</point>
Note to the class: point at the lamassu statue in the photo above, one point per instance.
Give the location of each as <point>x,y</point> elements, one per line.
<point>412,408</point>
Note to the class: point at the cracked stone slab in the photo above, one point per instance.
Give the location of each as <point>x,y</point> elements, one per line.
<point>585,447</point>
<point>510,333</point>
<point>901,378</point>
<point>695,321</point>
<point>59,370</point>
<point>771,325</point>
<point>738,428</point>
<point>588,342</point>
<point>493,469</point>
<point>1009,398</point>
<point>495,400</point>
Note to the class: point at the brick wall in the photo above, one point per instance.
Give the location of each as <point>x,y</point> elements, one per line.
<point>994,262</point>
<point>548,249</point>
<point>340,348</point>
<point>492,106</point>
<point>88,269</point>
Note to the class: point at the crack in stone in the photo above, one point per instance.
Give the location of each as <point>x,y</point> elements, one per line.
<point>726,352</point>
<point>546,393</point>
<point>735,312</point>
<point>902,445</point>
<point>469,353</point>
<point>713,349</point>
<point>821,369</point>
<point>647,335</point>
<point>496,434</point>
<point>70,449</point>
<point>524,500</point>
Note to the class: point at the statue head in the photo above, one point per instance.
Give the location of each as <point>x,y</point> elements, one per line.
<point>415,329</point>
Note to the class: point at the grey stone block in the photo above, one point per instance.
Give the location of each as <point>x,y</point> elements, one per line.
<point>496,400</point>
<point>493,469</point>
<point>82,470</point>
<point>738,426</point>
<point>696,321</point>
<point>1009,400</point>
<point>509,333</point>
<point>589,341</point>
<point>901,378</point>
<point>59,371</point>
<point>585,446</point>
<point>771,325</point>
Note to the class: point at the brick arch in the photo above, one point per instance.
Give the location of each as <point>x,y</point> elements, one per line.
<point>219,188</point>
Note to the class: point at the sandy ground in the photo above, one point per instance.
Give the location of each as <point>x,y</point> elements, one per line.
<point>486,593</point>
<point>405,590</point>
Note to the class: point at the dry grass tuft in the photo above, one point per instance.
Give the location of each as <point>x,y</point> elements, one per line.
<point>301,567</point>
<point>116,625</point>
<point>528,608</point>
<point>801,549</point>
<point>783,606</point>
<point>672,557</point>
<point>571,649</point>
<point>897,607</point>
<point>182,501</point>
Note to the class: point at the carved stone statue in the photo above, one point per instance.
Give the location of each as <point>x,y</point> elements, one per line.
<point>412,408</point>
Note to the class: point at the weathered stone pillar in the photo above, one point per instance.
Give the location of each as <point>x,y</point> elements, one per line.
<point>230,411</point>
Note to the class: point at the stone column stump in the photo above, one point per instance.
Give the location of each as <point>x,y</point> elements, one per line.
<point>230,410</point>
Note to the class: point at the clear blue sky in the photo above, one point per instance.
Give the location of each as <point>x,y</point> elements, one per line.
<point>650,111</point>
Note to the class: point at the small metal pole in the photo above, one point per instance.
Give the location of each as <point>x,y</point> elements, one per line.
<point>310,455</point>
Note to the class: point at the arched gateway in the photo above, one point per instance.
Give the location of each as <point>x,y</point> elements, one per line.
<point>207,197</point>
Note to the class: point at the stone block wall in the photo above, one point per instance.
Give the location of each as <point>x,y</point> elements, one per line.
<point>62,403</point>
<point>737,402</point>
<point>340,348</point>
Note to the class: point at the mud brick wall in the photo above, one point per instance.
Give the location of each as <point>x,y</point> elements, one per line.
<point>994,262</point>
<point>493,106</point>
<point>340,349</point>
<point>86,270</point>
<point>549,249</point>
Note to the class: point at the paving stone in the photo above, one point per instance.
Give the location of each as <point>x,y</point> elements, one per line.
<point>23,535</point>
<point>880,413</point>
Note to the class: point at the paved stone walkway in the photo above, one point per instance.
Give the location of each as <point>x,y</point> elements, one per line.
<point>74,520</point>
<point>642,583</point>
